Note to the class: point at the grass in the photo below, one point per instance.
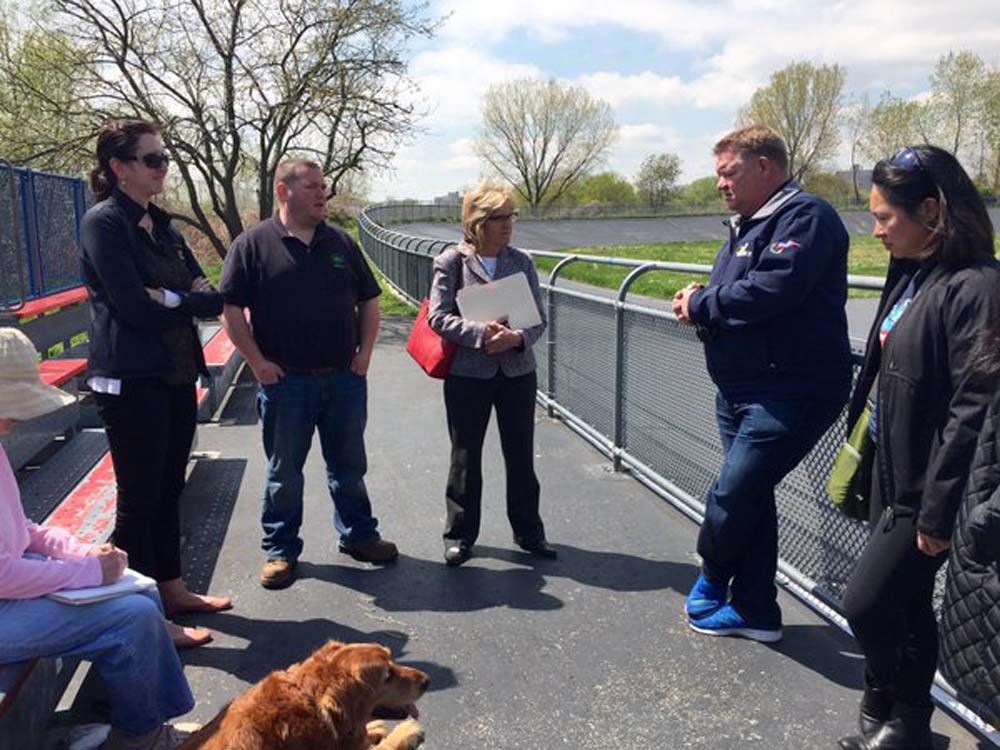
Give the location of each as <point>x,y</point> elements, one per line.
<point>867,258</point>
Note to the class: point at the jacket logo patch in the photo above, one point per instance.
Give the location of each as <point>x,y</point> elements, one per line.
<point>779,247</point>
<point>743,250</point>
<point>337,259</point>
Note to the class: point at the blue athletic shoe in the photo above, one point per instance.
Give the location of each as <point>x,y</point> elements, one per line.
<point>705,598</point>
<point>727,621</point>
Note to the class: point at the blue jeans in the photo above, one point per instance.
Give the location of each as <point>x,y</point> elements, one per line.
<point>127,642</point>
<point>291,410</point>
<point>738,542</point>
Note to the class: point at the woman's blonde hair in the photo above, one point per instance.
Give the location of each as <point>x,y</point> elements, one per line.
<point>478,205</point>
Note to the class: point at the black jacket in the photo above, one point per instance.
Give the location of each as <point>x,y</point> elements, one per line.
<point>126,323</point>
<point>772,316</point>
<point>930,408</point>
<point>970,614</point>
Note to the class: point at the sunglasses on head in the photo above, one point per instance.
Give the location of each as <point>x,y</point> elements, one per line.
<point>152,160</point>
<point>906,158</point>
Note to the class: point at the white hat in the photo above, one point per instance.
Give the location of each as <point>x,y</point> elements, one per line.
<point>22,394</point>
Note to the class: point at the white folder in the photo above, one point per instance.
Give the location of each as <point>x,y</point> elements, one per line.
<point>509,299</point>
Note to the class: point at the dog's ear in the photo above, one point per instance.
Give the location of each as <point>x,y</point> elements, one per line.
<point>368,662</point>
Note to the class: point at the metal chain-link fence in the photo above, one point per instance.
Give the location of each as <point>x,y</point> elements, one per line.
<point>632,380</point>
<point>40,214</point>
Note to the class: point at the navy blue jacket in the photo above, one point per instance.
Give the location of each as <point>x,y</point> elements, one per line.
<point>772,316</point>
<point>125,323</point>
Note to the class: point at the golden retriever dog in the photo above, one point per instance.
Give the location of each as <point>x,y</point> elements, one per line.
<point>322,703</point>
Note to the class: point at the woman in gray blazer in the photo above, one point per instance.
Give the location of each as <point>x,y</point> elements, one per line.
<point>494,367</point>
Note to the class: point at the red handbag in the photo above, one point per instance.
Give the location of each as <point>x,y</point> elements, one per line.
<point>431,352</point>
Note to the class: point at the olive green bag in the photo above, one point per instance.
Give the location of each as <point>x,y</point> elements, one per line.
<point>850,480</point>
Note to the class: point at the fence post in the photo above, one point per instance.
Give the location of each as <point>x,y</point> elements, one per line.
<point>618,445</point>
<point>550,311</point>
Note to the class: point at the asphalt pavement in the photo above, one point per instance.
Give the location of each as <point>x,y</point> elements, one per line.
<point>589,652</point>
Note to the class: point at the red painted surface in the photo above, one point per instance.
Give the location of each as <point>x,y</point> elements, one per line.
<point>58,371</point>
<point>89,511</point>
<point>53,302</point>
<point>219,350</point>
<point>201,394</point>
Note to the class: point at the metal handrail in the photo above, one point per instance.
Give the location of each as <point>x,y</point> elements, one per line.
<point>15,226</point>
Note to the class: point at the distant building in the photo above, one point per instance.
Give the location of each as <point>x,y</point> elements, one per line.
<point>449,199</point>
<point>864,179</point>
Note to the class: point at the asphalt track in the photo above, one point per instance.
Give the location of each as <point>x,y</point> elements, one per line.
<point>588,652</point>
<point>560,234</point>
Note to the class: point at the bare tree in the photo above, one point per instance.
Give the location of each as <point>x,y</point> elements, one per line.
<point>657,178</point>
<point>238,85</point>
<point>802,103</point>
<point>543,136</point>
<point>856,116</point>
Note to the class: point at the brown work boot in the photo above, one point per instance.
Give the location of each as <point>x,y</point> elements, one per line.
<point>379,552</point>
<point>277,574</point>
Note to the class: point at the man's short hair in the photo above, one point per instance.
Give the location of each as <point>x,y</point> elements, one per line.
<point>288,170</point>
<point>755,140</point>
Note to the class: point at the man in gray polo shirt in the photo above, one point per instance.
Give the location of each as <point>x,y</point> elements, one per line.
<point>314,317</point>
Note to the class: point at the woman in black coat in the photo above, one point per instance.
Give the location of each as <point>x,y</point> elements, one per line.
<point>145,355</point>
<point>970,615</point>
<point>927,410</point>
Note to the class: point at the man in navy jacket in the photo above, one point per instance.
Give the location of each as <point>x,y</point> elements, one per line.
<point>775,332</point>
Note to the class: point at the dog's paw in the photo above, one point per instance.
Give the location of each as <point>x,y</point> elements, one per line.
<point>377,731</point>
<point>408,735</point>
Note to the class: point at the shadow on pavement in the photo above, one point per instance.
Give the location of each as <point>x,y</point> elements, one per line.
<point>414,584</point>
<point>276,644</point>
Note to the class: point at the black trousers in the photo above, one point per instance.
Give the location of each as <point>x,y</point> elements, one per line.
<point>469,402</point>
<point>150,426</point>
<point>888,604</point>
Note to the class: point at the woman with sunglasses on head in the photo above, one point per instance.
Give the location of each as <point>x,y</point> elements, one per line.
<point>493,368</point>
<point>145,288</point>
<point>927,406</point>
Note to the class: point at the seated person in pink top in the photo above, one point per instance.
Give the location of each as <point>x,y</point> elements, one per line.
<point>125,638</point>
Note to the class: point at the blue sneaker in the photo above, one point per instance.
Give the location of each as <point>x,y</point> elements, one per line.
<point>727,621</point>
<point>705,598</point>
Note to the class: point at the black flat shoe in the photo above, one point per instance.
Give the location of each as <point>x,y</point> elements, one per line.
<point>456,553</point>
<point>540,548</point>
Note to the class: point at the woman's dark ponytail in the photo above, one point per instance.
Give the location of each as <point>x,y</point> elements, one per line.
<point>117,139</point>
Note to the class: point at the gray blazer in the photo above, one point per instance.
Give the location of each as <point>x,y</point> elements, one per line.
<point>471,359</point>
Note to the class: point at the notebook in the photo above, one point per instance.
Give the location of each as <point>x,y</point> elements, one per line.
<point>131,582</point>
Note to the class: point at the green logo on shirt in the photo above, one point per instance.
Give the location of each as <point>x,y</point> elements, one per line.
<point>337,259</point>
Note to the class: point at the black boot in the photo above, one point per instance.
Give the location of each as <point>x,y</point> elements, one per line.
<point>909,729</point>
<point>875,710</point>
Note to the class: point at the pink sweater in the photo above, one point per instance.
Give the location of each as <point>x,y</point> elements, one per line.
<point>20,578</point>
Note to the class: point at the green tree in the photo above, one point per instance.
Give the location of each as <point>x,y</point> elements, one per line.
<point>543,136</point>
<point>607,188</point>
<point>832,187</point>
<point>46,121</point>
<point>958,82</point>
<point>702,193</point>
<point>802,103</point>
<point>656,182</point>
<point>892,124</point>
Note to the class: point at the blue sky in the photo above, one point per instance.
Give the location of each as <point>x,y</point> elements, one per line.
<point>674,71</point>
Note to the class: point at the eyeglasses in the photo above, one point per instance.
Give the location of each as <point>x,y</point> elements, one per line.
<point>511,217</point>
<point>906,159</point>
<point>152,160</point>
